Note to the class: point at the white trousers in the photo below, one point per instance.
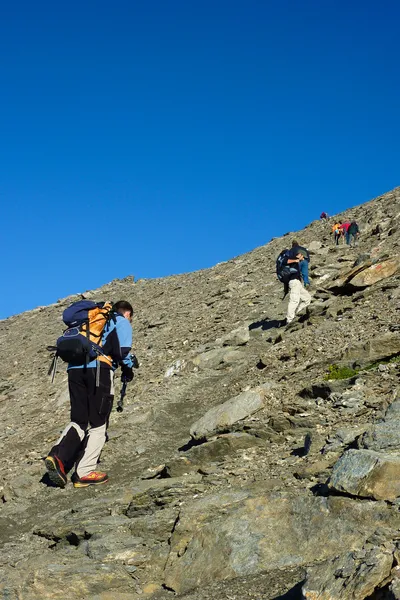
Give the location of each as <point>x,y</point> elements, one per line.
<point>299,298</point>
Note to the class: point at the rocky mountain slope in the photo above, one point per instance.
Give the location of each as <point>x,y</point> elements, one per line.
<point>250,461</point>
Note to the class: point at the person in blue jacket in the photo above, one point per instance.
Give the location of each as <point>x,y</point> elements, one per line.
<point>83,439</point>
<point>303,265</point>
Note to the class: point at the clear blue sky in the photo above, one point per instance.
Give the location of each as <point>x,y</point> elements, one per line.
<point>153,138</point>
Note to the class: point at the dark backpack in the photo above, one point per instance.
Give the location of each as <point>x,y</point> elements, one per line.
<point>353,228</point>
<point>81,342</point>
<point>285,272</point>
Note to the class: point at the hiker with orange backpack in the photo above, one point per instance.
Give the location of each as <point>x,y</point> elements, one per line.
<point>337,231</point>
<point>97,341</point>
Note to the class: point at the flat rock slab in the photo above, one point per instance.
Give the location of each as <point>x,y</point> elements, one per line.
<point>385,435</point>
<point>83,578</point>
<point>366,273</point>
<point>375,349</point>
<point>395,587</point>
<point>353,576</point>
<point>224,445</point>
<point>376,273</point>
<point>367,474</point>
<point>237,337</point>
<point>212,359</point>
<point>143,496</point>
<point>344,278</point>
<point>222,416</point>
<point>237,534</point>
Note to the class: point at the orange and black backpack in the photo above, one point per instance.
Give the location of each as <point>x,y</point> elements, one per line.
<point>81,342</point>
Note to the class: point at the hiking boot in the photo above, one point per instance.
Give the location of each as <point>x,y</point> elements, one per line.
<point>55,470</point>
<point>94,478</point>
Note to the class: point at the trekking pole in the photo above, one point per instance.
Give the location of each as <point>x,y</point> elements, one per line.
<point>120,404</point>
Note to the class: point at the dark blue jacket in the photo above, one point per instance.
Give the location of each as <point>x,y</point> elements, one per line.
<point>295,267</point>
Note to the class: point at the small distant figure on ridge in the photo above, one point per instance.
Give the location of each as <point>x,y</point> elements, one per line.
<point>97,341</point>
<point>303,264</point>
<point>324,216</point>
<point>288,272</point>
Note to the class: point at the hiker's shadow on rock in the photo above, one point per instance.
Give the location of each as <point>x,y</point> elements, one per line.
<point>266,324</point>
<point>322,489</point>
<point>294,594</point>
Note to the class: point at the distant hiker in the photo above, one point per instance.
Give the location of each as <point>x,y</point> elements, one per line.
<point>91,387</point>
<point>353,233</point>
<point>324,216</point>
<point>303,263</point>
<point>345,229</point>
<point>288,272</point>
<point>337,232</point>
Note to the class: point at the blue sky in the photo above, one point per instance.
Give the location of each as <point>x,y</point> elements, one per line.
<point>153,138</point>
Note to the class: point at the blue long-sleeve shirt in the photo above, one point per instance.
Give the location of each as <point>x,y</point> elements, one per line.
<point>116,342</point>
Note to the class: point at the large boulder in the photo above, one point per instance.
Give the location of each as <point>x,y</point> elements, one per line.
<point>84,574</point>
<point>367,474</point>
<point>249,531</point>
<point>353,576</point>
<point>365,274</point>
<point>222,416</point>
<point>375,273</point>
<point>385,435</point>
<point>344,278</point>
<point>378,348</point>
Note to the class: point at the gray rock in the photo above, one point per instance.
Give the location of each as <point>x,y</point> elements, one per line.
<point>223,446</point>
<point>176,467</point>
<point>313,246</point>
<point>343,437</point>
<point>240,533</point>
<point>375,349</point>
<point>280,423</point>
<point>222,416</point>
<point>353,576</point>
<point>237,337</point>
<point>351,400</point>
<point>367,474</point>
<point>144,496</point>
<point>219,356</point>
<point>178,366</point>
<point>375,273</point>
<point>361,259</point>
<point>395,586</point>
<point>83,575</point>
<point>385,435</point>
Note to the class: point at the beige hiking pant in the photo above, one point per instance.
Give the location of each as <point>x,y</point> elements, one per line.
<point>299,298</point>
